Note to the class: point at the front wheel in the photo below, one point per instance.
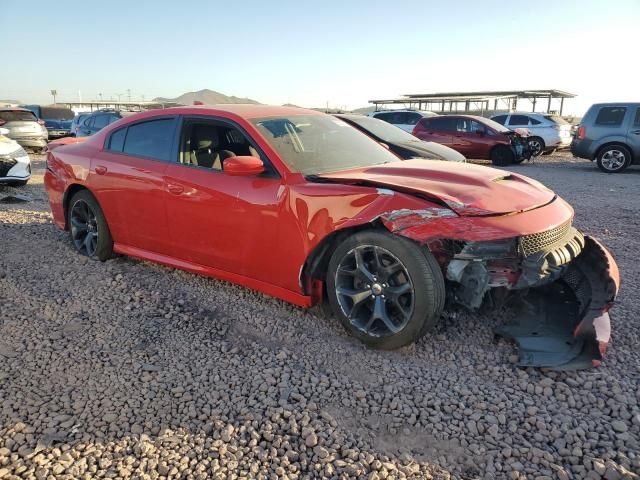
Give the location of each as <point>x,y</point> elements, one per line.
<point>501,156</point>
<point>613,159</point>
<point>385,289</point>
<point>88,227</point>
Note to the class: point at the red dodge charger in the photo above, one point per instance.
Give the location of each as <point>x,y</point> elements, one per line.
<point>301,206</point>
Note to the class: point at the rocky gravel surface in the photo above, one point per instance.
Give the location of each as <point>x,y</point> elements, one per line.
<point>127,369</point>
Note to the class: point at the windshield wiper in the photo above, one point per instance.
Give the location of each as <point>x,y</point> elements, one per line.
<point>318,179</point>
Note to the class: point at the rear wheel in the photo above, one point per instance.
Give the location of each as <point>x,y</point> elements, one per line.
<point>386,291</point>
<point>536,145</point>
<point>88,227</point>
<point>501,156</point>
<point>613,159</point>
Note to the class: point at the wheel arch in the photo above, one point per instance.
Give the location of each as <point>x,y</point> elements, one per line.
<point>614,143</point>
<point>71,190</point>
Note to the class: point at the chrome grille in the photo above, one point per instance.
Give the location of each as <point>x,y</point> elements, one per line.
<point>530,244</point>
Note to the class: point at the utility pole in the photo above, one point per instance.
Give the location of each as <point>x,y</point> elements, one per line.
<point>129,94</point>
<point>54,93</point>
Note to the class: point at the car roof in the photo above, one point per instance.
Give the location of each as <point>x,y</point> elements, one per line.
<point>617,104</point>
<point>245,110</point>
<point>402,110</point>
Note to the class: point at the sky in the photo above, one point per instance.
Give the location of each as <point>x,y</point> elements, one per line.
<point>336,53</point>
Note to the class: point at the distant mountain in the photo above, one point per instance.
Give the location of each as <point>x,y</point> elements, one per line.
<point>208,97</point>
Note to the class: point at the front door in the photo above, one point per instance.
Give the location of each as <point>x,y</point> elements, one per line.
<point>217,220</point>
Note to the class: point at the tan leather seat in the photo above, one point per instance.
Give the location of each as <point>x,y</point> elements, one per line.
<point>205,143</point>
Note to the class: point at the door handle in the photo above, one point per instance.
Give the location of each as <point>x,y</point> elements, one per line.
<point>175,189</point>
<point>100,170</point>
<point>636,132</point>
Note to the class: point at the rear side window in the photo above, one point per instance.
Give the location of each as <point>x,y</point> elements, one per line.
<point>445,124</point>
<point>152,139</point>
<point>533,121</point>
<point>116,140</point>
<point>636,122</point>
<point>518,120</point>
<point>500,119</point>
<point>17,116</point>
<point>611,116</point>
<point>101,121</point>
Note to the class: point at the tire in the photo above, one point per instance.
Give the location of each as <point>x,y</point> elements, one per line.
<point>537,146</point>
<point>88,227</point>
<point>501,156</point>
<point>385,289</point>
<point>18,183</point>
<point>613,158</point>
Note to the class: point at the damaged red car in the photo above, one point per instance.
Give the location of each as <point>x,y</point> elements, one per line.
<point>301,206</point>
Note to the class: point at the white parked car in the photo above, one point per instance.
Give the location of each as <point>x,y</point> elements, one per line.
<point>404,119</point>
<point>15,165</point>
<point>547,133</point>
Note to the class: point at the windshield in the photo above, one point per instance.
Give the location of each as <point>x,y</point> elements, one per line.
<point>314,144</point>
<point>383,130</point>
<point>556,119</point>
<point>17,116</point>
<point>50,113</point>
<point>492,124</point>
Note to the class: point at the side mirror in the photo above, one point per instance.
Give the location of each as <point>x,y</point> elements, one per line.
<point>4,131</point>
<point>243,166</point>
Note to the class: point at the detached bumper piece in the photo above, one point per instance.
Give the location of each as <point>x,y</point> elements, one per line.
<point>565,325</point>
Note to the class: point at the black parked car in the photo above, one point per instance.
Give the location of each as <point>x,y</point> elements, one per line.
<point>98,120</point>
<point>400,142</point>
<point>56,119</point>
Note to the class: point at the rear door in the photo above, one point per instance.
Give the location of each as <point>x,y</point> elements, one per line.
<point>128,179</point>
<point>437,129</point>
<point>634,135</point>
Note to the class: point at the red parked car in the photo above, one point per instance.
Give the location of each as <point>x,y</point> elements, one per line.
<point>475,137</point>
<point>301,206</point>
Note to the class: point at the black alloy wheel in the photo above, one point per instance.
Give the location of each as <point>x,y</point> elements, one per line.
<point>84,228</point>
<point>374,291</point>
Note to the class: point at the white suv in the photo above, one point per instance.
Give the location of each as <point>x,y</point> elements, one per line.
<point>404,119</point>
<point>546,132</point>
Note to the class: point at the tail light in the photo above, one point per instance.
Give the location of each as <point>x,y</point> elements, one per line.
<point>2,122</point>
<point>41,122</point>
<point>582,132</point>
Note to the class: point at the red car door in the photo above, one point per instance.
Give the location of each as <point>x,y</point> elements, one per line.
<point>436,129</point>
<point>221,221</point>
<point>472,139</point>
<point>127,178</point>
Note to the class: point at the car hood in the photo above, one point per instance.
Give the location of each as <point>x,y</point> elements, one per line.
<point>431,150</point>
<point>62,124</point>
<point>8,146</point>
<point>467,189</point>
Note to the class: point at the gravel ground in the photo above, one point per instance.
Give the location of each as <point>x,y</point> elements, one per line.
<point>129,369</point>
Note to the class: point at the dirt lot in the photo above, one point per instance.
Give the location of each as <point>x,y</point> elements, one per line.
<point>129,369</point>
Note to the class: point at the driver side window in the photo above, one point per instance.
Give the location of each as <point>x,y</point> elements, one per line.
<point>207,144</point>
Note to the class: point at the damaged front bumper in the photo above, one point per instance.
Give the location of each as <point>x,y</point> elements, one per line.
<point>564,282</point>
<point>565,324</point>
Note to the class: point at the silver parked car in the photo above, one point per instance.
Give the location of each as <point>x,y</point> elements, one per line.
<point>404,119</point>
<point>24,127</point>
<point>547,133</point>
<point>609,133</point>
